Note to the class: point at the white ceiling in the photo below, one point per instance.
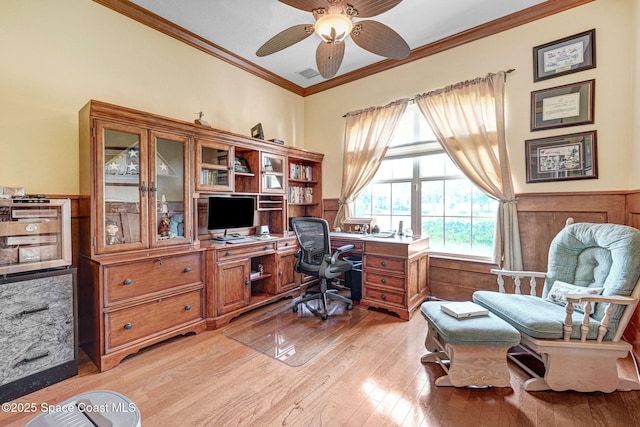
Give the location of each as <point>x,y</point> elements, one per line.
<point>242,26</point>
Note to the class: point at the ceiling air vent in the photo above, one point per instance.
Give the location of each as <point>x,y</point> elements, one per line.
<point>309,73</point>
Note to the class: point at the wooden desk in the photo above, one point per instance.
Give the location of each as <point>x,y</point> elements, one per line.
<point>395,270</point>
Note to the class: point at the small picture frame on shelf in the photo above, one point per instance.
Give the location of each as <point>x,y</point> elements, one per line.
<point>562,158</point>
<point>565,56</point>
<point>562,106</point>
<point>240,165</point>
<point>256,131</point>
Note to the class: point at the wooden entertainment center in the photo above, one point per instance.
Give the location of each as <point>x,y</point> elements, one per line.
<point>148,269</point>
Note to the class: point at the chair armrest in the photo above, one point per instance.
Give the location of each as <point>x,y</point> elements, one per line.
<point>613,299</point>
<point>517,275</point>
<point>610,300</point>
<point>341,250</point>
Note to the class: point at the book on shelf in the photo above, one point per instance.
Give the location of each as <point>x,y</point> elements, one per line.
<point>300,171</point>
<point>300,195</point>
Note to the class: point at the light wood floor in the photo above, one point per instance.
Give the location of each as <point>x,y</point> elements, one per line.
<point>370,376</point>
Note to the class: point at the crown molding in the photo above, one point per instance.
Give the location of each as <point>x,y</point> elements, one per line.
<point>533,13</point>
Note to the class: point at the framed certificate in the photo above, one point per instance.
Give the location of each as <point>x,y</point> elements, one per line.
<point>561,158</point>
<point>565,56</point>
<point>561,106</point>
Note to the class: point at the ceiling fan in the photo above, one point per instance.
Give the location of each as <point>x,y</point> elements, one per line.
<point>334,23</point>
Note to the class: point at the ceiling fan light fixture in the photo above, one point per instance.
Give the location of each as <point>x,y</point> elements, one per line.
<point>333,27</point>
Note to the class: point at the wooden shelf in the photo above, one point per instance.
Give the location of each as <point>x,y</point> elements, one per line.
<point>260,277</point>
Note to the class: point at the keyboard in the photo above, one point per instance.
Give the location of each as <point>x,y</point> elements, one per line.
<point>241,240</point>
<point>384,235</point>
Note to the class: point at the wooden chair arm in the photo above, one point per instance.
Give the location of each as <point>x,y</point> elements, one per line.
<point>613,299</point>
<point>517,276</point>
<point>610,300</point>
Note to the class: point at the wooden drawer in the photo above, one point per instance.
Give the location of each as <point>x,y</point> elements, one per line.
<point>383,296</point>
<point>393,264</point>
<point>336,243</point>
<point>138,278</point>
<point>229,252</point>
<point>15,228</point>
<point>141,321</point>
<point>287,243</point>
<point>377,278</point>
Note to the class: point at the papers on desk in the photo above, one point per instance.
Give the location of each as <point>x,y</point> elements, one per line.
<point>464,309</point>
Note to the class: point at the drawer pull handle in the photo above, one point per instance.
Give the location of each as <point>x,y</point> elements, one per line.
<point>266,248</point>
<point>187,307</point>
<point>228,253</point>
<point>128,326</point>
<point>247,282</point>
<point>383,280</point>
<point>127,282</point>
<point>159,260</point>
<point>280,273</point>
<point>35,310</point>
<point>187,269</point>
<point>383,296</point>
<point>383,263</point>
<point>31,359</point>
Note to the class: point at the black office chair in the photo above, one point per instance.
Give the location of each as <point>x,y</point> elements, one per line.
<point>315,258</point>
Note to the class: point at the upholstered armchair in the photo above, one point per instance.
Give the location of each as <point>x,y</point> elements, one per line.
<point>591,289</point>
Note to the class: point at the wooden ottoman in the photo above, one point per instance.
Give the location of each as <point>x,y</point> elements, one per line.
<point>476,347</point>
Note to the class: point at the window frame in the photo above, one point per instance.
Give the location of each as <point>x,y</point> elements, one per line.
<point>417,150</point>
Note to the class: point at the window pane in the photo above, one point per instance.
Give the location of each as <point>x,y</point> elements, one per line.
<point>395,169</point>
<point>432,198</point>
<point>383,222</point>
<point>401,202</point>
<point>363,204</point>
<point>482,242</point>
<point>457,197</point>
<point>434,228</point>
<point>483,205</point>
<point>385,171</point>
<point>457,233</point>
<point>432,165</point>
<point>450,168</point>
<point>381,199</point>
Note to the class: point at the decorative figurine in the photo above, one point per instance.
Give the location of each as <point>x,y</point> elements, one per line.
<point>111,232</point>
<point>163,227</point>
<point>176,226</point>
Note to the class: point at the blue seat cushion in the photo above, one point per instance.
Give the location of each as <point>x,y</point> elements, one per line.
<point>533,315</point>
<point>481,330</point>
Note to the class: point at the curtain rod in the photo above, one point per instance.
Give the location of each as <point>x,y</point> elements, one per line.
<point>412,100</point>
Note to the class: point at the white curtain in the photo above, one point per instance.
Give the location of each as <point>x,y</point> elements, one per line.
<point>368,134</point>
<point>468,120</point>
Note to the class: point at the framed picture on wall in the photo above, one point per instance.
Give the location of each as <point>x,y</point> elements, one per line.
<point>561,106</point>
<point>565,56</point>
<point>562,158</point>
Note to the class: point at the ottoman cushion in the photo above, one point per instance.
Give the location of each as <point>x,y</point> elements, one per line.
<point>487,330</point>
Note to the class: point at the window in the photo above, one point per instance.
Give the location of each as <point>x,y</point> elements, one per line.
<point>418,184</point>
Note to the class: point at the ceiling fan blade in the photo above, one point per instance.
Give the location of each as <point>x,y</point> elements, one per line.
<point>285,38</point>
<point>328,58</point>
<point>379,39</point>
<point>306,5</point>
<point>369,8</point>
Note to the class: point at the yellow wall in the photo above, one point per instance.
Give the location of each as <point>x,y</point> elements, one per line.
<point>614,21</point>
<point>57,55</point>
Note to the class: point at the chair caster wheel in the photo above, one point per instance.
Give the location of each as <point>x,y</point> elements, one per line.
<point>295,309</point>
<point>350,307</point>
<point>324,316</point>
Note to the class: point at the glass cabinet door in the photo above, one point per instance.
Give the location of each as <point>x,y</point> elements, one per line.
<point>273,166</point>
<point>122,204</point>
<point>213,170</point>
<point>169,207</point>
